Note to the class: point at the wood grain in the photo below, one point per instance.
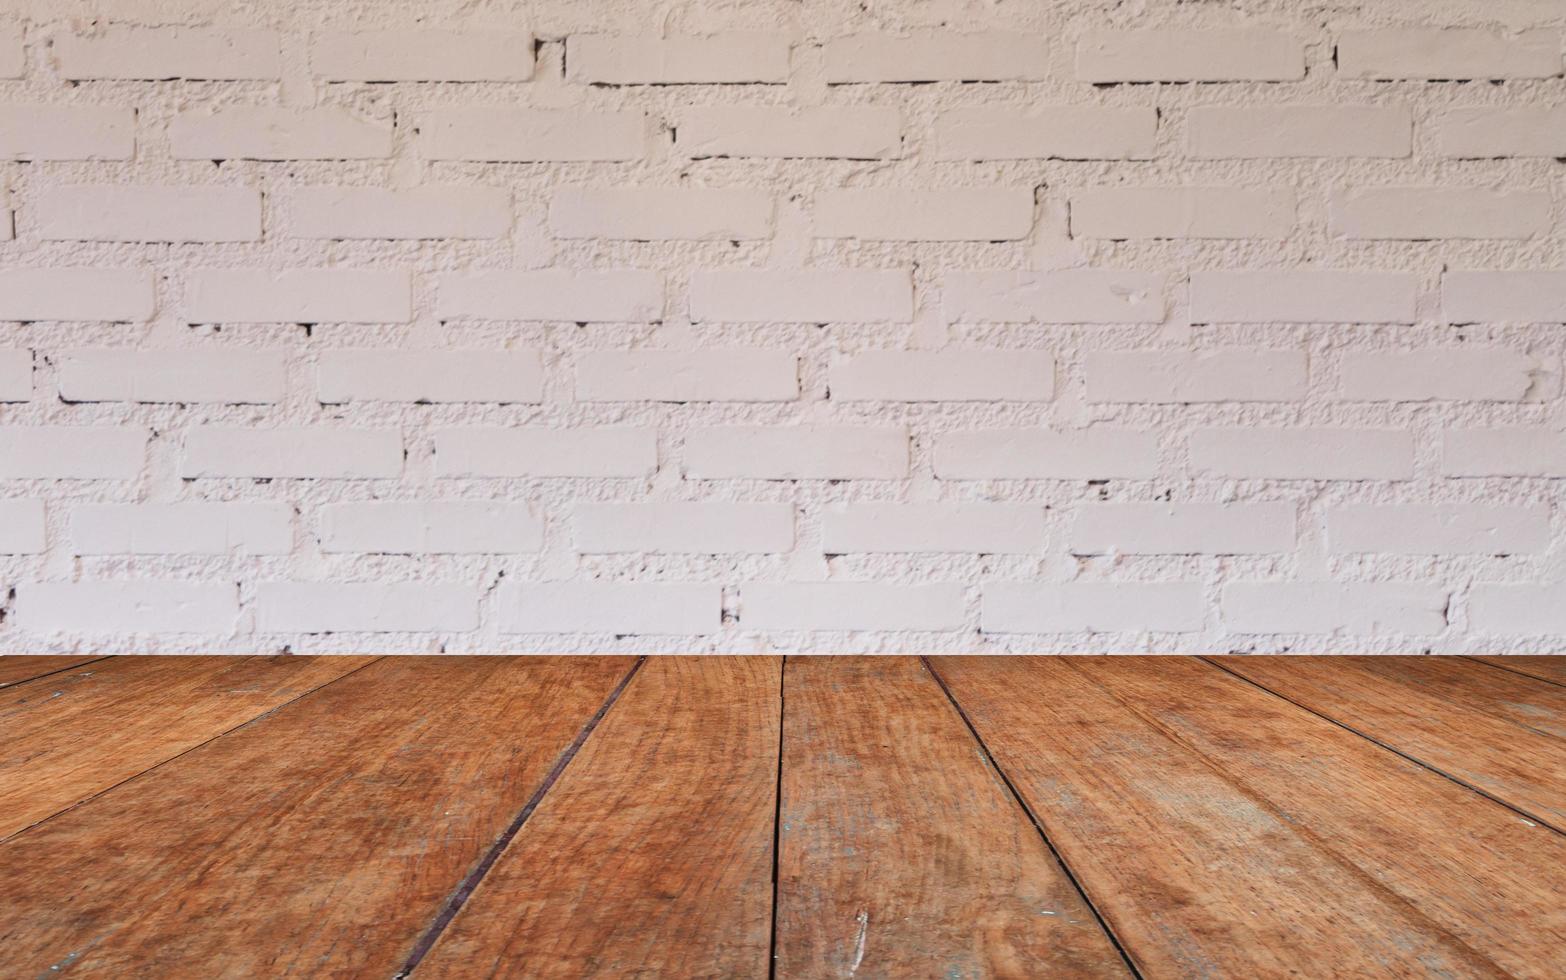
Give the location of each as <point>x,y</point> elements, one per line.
<point>902,853</point>
<point>1552,669</point>
<point>320,840</point>
<point>1451,854</point>
<point>77,733</point>
<point>652,856</point>
<point>1195,876</point>
<point>16,668</point>
<point>1470,740</point>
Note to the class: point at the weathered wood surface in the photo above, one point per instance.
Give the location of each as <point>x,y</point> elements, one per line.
<point>17,668</point>
<point>1552,669</point>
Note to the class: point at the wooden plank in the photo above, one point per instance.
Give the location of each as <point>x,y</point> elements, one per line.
<point>1451,854</point>
<point>897,838</point>
<point>320,840</point>
<point>1527,702</point>
<point>1552,669</point>
<point>1523,767</point>
<point>1194,875</point>
<point>78,733</point>
<point>652,856</point>
<point>16,668</point>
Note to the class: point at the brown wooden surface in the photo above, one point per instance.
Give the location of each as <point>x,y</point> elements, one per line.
<point>1469,739</point>
<point>1552,669</point>
<point>321,840</point>
<point>652,856</point>
<point>16,668</point>
<point>902,853</point>
<point>77,733</point>
<point>1196,876</point>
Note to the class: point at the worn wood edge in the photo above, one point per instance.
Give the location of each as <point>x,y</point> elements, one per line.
<point>71,665</point>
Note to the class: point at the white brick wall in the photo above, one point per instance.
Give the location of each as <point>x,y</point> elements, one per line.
<point>782,326</point>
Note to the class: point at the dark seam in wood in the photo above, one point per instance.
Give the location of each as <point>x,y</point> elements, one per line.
<point>51,673</point>
<point>180,755</point>
<point>1033,818</point>
<point>777,825</point>
<point>1516,672</point>
<point>1390,748</point>
<point>470,882</point>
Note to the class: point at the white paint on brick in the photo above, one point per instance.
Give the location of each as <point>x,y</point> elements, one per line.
<point>72,452</point>
<point>928,607</point>
<point>232,377</point>
<point>730,56</point>
<point>429,376</point>
<point>1182,212</point>
<point>1148,528</point>
<point>1356,608</point>
<point>275,133</point>
<point>1449,374</point>
<point>800,452</point>
<point>1303,296</point>
<point>145,213</point>
<point>614,295</point>
<point>1163,54</point>
<point>626,608</point>
<point>936,56</point>
<point>1484,133</point>
<point>802,295</point>
<point>1305,453</point>
<point>366,607</point>
<point>1438,529</point>
<point>735,375</point>
<point>1513,451</point>
<point>317,452</point>
<point>1093,607</point>
<point>661,213</point>
<point>182,529</point>
<point>1061,132</point>
<point>13,55</point>
<point>948,215</point>
<point>115,608</point>
<point>533,451</point>
<point>1518,609</point>
<point>1232,132</point>
<point>1039,454</point>
<point>431,527</point>
<point>1184,377</point>
<point>847,132</point>
<point>1424,213</point>
<point>423,55</point>
<point>963,528</point>
<point>503,133</point>
<point>1070,296</point>
<point>82,293</point>
<point>404,213</point>
<point>155,53</point>
<point>944,375</point>
<point>707,527</point>
<point>23,529</point>
<point>16,375</point>
<point>299,296</point>
<point>1449,53</point>
<point>1533,296</point>
<point>37,131</point>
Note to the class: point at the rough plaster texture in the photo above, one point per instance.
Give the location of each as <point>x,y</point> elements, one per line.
<point>603,325</point>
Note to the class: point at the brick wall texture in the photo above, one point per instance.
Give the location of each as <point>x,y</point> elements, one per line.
<point>786,325</point>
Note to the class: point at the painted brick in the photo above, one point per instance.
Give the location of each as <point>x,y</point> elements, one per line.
<point>35,131</point>
<point>729,375</point>
<point>125,375</point>
<point>403,213</point>
<point>1303,454</point>
<point>937,56</point>
<point>1303,296</point>
<point>1448,374</point>
<point>728,57</point>
<point>72,452</point>
<point>877,528</point>
<point>299,296</point>
<point>1511,296</point>
<point>1052,132</point>
<point>118,608</point>
<point>23,529</point>
<point>1039,454</point>
<point>707,527</point>
<point>16,375</point>
<point>13,55</point>
<point>429,376</point>
<point>273,133</point>
<point>1166,55</point>
<point>840,606</point>
<point>946,375</point>
<point>613,296</point>
<point>661,213</point>
<point>1093,607</point>
<point>802,295</point>
<point>1531,452</point>
<point>423,55</point>
<point>431,527</point>
<point>106,213</point>
<point>1354,608</point>
<point>366,607</point>
<point>619,608</point>
<point>182,529</point>
<point>956,215</point>
<point>841,132</point>
<point>315,452</point>
<point>1070,296</point>
<point>1421,213</point>
<point>1241,132</point>
<point>1438,529</point>
<point>612,451</point>
<point>503,133</point>
<point>155,53</point>
<point>1139,528</point>
<point>1121,213</point>
<point>796,452</point>
<point>1186,377</point>
<point>1486,133</point>
<point>1448,53</point>
<point>76,294</point>
<point>1518,609</point>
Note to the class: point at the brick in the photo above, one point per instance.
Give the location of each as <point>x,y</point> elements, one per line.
<point>952,374</point>
<point>35,131</point>
<point>1159,528</point>
<point>1189,377</point>
<point>431,527</point>
<point>837,606</point>
<point>72,452</point>
<point>1165,55</point>
<point>1485,133</point>
<point>273,133</point>
<point>1448,374</point>
<point>961,528</point>
<point>182,529</point>
<point>1039,454</point>
<point>1446,53</point>
<point>87,212</point>
<point>1069,296</point>
<point>1525,609</point>
<point>613,296</point>
<point>613,451</point>
<point>1092,607</point>
<point>1355,608</point>
<point>76,294</point>
<point>366,607</point>
<point>158,53</point>
<point>506,134</point>
<point>120,608</point>
<point>726,57</point>
<point>1051,132</point>
<point>796,452</point>
<point>23,529</point>
<point>1241,132</point>
<point>1438,529</point>
<point>708,527</point>
<point>1512,296</point>
<point>1120,213</point>
<point>16,375</point>
<point>218,376</point>
<point>1426,213</point>
<point>396,214</point>
<point>937,56</point>
<point>619,608</point>
<point>661,213</point>
<point>802,295</point>
<point>1528,452</point>
<point>954,215</point>
<point>13,55</point>
<point>1303,454</point>
<point>299,296</point>
<point>423,56</point>
<point>217,451</point>
<point>830,132</point>
<point>425,376</point>
<point>1303,296</point>
<point>728,375</point>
